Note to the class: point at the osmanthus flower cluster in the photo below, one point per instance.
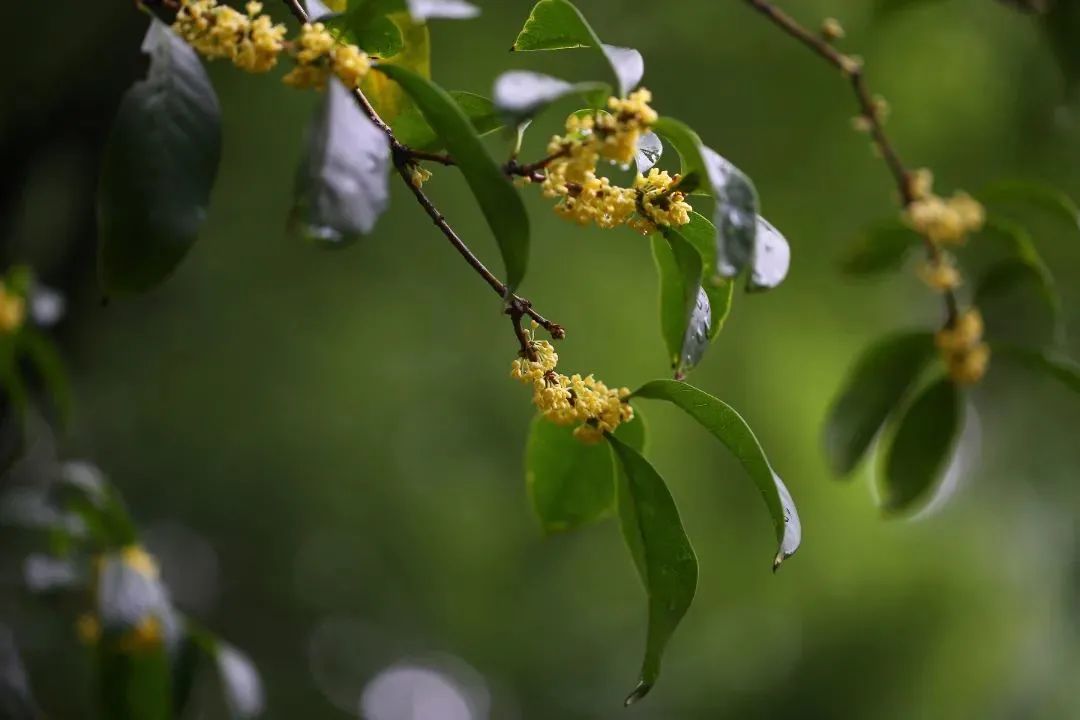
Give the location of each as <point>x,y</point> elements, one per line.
<point>12,310</point>
<point>583,402</point>
<point>588,197</point>
<point>253,43</point>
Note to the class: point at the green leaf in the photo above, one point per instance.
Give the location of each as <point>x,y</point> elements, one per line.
<point>1063,369</point>
<point>727,426</point>
<point>920,450</point>
<point>98,504</point>
<point>735,214</point>
<point>1020,193</point>
<point>881,249</point>
<point>879,382</point>
<point>134,686</point>
<point>501,205</point>
<point>386,96</point>
<point>379,36</point>
<point>239,678</point>
<point>520,95</point>
<point>662,553</point>
<point>1006,277</point>
<point>701,234</point>
<point>342,184</point>
<point>413,130</point>
<point>572,484</point>
<point>49,367</point>
<point>559,25</point>
<point>160,163</point>
<point>684,306</point>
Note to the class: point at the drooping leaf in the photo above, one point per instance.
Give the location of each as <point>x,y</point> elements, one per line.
<point>501,205</point>
<point>241,684</point>
<point>772,258</point>
<point>1020,193</point>
<point>701,234</point>
<point>16,699</point>
<point>572,484</point>
<point>342,184</point>
<point>881,249</point>
<point>727,426</point>
<point>98,504</point>
<point>159,167</point>
<point>650,149</point>
<point>127,595</point>
<point>413,130</point>
<point>663,555</point>
<point>735,214</point>
<point>559,25</point>
<point>520,94</point>
<point>1003,282</point>
<point>921,447</point>
<point>1063,369</point>
<point>684,307</point>
<point>876,386</point>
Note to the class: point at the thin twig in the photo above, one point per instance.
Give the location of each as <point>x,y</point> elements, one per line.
<point>853,69</point>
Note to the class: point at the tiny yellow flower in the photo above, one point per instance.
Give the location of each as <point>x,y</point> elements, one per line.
<point>147,634</point>
<point>969,367</point>
<point>12,310</point>
<point>831,29</point>
<point>940,273</point>
<point>142,562</point>
<point>88,629</point>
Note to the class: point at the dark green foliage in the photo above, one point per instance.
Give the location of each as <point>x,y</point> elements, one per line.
<point>684,306</point>
<point>159,167</point>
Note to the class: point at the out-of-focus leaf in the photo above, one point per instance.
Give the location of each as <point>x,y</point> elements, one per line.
<point>12,431</point>
<point>380,37</point>
<point>16,699</point>
<point>559,25</point>
<point>240,681</point>
<point>735,214</point>
<point>413,130</point>
<point>44,573</point>
<point>1007,276</point>
<point>342,184</point>
<point>1020,193</point>
<point>159,167</point>
<point>684,306</point>
<point>49,368</point>
<point>520,94</point>
<point>881,249</point>
<point>661,551</point>
<point>920,449</point>
<point>772,258</point>
<point>98,504</point>
<point>1061,26</point>
<point>127,595</point>
<point>650,148</point>
<point>47,306</point>
<point>134,685</point>
<point>386,96</point>
<point>875,387</point>
<point>1063,369</point>
<point>727,426</point>
<point>500,203</point>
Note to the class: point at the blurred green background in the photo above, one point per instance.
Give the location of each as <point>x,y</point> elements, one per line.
<point>325,448</point>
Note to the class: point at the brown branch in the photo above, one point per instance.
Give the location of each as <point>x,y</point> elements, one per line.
<point>403,156</point>
<point>853,69</point>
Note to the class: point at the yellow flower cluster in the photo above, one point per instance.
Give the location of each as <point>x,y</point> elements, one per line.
<point>318,55</point>
<point>962,348</point>
<point>946,221</point>
<point>250,41</point>
<point>12,310</point>
<point>583,401</point>
<point>253,43</point>
<point>588,198</point>
<point>148,633</point>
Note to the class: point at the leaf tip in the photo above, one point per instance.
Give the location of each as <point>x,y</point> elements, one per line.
<point>637,693</point>
<point>781,556</point>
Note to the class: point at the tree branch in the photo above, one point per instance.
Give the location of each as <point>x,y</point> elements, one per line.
<point>853,69</point>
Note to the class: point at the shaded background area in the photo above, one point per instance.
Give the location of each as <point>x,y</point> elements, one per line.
<point>325,448</point>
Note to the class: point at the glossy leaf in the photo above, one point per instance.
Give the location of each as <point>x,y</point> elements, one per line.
<point>572,484</point>
<point>662,553</point>
<point>413,130</point>
<point>919,452</point>
<point>684,306</point>
<point>379,37</point>
<point>342,184</point>
<point>772,257</point>
<point>650,149</point>
<point>1063,369</point>
<point>735,213</point>
<point>159,167</point>
<point>701,234</point>
<point>727,426</point>
<point>386,96</point>
<point>1007,276</point>
<point>1006,280</point>
<point>520,95</point>
<point>240,681</point>
<point>881,249</point>
<point>881,379</point>
<point>559,25</point>
<point>1037,195</point>
<point>500,203</point>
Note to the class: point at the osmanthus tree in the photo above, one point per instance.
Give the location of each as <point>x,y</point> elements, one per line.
<point>618,164</point>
